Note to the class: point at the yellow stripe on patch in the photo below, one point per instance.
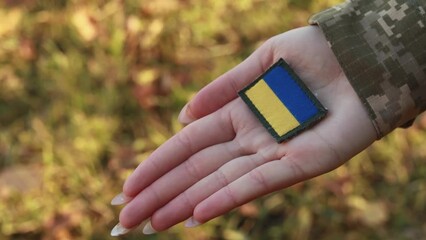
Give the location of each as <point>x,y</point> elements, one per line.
<point>272,109</point>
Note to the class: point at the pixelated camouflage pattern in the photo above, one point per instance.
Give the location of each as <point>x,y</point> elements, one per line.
<point>381,46</point>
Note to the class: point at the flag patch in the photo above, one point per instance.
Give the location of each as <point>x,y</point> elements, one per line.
<point>282,102</point>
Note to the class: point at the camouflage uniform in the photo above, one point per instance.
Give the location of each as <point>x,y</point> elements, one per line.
<point>381,46</point>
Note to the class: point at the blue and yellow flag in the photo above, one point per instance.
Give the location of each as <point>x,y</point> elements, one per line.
<point>282,102</point>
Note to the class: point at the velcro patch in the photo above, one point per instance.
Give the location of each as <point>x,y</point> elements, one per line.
<point>282,102</point>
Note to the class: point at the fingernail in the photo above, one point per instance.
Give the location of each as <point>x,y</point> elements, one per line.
<point>191,222</point>
<point>148,229</point>
<point>184,116</point>
<point>119,230</point>
<point>120,199</point>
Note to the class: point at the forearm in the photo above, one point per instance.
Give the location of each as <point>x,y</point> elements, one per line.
<point>382,49</point>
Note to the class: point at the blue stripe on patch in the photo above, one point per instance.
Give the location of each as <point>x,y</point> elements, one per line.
<point>289,92</point>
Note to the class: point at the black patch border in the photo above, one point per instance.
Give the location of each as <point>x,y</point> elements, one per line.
<point>322,111</point>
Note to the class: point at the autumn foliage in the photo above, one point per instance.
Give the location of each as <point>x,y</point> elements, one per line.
<point>89,88</point>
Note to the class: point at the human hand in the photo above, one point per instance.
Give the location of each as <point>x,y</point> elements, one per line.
<point>224,157</point>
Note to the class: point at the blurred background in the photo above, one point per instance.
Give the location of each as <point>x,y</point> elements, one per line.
<point>88,89</point>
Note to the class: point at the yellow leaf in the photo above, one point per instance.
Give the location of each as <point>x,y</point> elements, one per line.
<point>160,7</point>
<point>9,20</point>
<point>146,77</point>
<point>134,24</point>
<point>372,213</point>
<point>152,33</point>
<point>84,25</point>
<point>9,82</point>
<point>233,235</point>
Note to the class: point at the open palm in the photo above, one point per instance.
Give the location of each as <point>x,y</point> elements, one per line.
<point>224,157</point>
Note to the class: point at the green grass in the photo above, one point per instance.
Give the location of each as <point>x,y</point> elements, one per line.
<point>89,88</point>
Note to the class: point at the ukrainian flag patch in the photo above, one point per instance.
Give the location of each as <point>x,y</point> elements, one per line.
<point>282,102</point>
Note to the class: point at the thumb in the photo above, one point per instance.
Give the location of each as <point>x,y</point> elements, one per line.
<point>225,88</point>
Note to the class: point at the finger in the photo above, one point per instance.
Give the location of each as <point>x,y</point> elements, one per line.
<point>226,87</point>
<point>182,206</point>
<point>176,181</point>
<point>265,179</point>
<point>211,130</point>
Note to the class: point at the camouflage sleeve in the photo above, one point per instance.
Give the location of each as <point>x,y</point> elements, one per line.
<point>381,47</point>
